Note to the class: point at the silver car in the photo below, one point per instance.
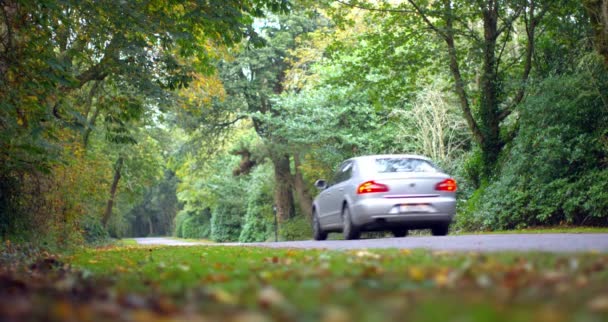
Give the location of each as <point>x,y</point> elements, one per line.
<point>384,192</point>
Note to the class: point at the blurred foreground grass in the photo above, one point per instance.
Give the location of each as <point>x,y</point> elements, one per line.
<point>260,284</point>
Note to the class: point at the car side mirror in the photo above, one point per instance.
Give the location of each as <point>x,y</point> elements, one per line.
<point>321,184</point>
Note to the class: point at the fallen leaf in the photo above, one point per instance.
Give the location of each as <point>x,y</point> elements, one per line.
<point>222,296</point>
<point>366,254</point>
<point>416,273</point>
<point>336,314</point>
<point>269,297</point>
<point>441,278</point>
<point>599,304</point>
<point>484,281</point>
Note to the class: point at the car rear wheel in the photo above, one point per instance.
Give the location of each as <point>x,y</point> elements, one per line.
<point>317,231</point>
<point>348,229</point>
<point>440,230</point>
<point>399,232</point>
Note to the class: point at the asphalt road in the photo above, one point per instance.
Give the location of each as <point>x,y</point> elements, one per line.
<point>475,243</point>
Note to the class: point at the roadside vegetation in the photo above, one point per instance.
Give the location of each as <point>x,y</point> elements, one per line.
<point>151,119</point>
<point>195,120</point>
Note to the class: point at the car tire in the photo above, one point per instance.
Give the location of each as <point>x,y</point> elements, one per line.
<point>317,231</point>
<point>440,230</point>
<point>399,232</point>
<point>348,229</point>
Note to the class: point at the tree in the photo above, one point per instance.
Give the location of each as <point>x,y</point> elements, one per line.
<point>598,12</point>
<point>252,80</point>
<point>482,34</point>
<point>65,66</point>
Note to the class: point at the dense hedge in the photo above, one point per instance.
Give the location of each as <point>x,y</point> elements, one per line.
<point>226,222</point>
<point>297,228</point>
<point>258,223</point>
<point>190,224</point>
<point>556,169</point>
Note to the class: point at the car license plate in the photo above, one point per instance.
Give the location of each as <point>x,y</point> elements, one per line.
<point>415,208</point>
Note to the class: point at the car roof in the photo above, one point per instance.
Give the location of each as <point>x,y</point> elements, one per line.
<point>377,156</point>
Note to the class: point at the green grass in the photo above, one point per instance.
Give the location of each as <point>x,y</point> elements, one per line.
<point>379,285</point>
<point>125,242</point>
<point>533,230</point>
<point>547,230</point>
<point>193,240</point>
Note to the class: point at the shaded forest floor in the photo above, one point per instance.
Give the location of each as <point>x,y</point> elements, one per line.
<point>203,283</point>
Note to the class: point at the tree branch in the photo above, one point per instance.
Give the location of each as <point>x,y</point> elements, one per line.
<point>530,33</point>
<point>352,5</point>
<point>99,71</point>
<point>509,22</point>
<point>502,49</point>
<point>427,20</point>
<point>458,81</point>
<point>94,73</point>
<point>229,123</point>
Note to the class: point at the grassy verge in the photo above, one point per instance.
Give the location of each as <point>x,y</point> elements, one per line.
<point>533,230</point>
<point>317,285</point>
<point>125,242</point>
<point>193,240</point>
<point>552,230</point>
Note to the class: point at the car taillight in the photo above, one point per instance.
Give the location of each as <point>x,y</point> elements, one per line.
<point>447,185</point>
<point>371,186</point>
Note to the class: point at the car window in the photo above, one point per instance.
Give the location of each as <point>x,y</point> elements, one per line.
<point>347,171</point>
<point>389,165</point>
<point>343,173</point>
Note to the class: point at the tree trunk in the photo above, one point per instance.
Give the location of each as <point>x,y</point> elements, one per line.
<point>283,193</point>
<point>117,170</point>
<point>89,127</point>
<point>488,109</point>
<point>302,193</point>
<point>598,12</point>
<point>150,227</point>
<point>90,120</point>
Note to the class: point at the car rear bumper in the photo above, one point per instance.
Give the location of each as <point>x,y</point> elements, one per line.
<point>387,212</point>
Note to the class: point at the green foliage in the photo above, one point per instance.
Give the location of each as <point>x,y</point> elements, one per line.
<point>93,231</point>
<point>189,224</point>
<point>226,222</point>
<point>296,228</point>
<point>87,73</point>
<point>564,126</point>
<point>207,181</point>
<point>472,166</point>
<point>194,225</point>
<point>258,224</point>
<point>155,213</point>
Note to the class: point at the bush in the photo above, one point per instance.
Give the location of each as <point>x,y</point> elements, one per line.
<point>193,224</point>
<point>193,227</point>
<point>226,222</point>
<point>556,170</point>
<point>258,224</point>
<point>296,228</point>
<point>93,231</point>
<point>179,223</point>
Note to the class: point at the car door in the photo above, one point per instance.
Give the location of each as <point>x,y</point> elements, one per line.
<point>336,199</point>
<point>324,201</point>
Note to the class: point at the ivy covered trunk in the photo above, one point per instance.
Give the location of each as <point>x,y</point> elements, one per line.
<point>283,193</point>
<point>302,193</point>
<point>598,14</point>
<point>489,113</point>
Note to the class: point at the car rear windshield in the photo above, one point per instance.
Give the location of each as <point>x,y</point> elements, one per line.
<point>388,165</point>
